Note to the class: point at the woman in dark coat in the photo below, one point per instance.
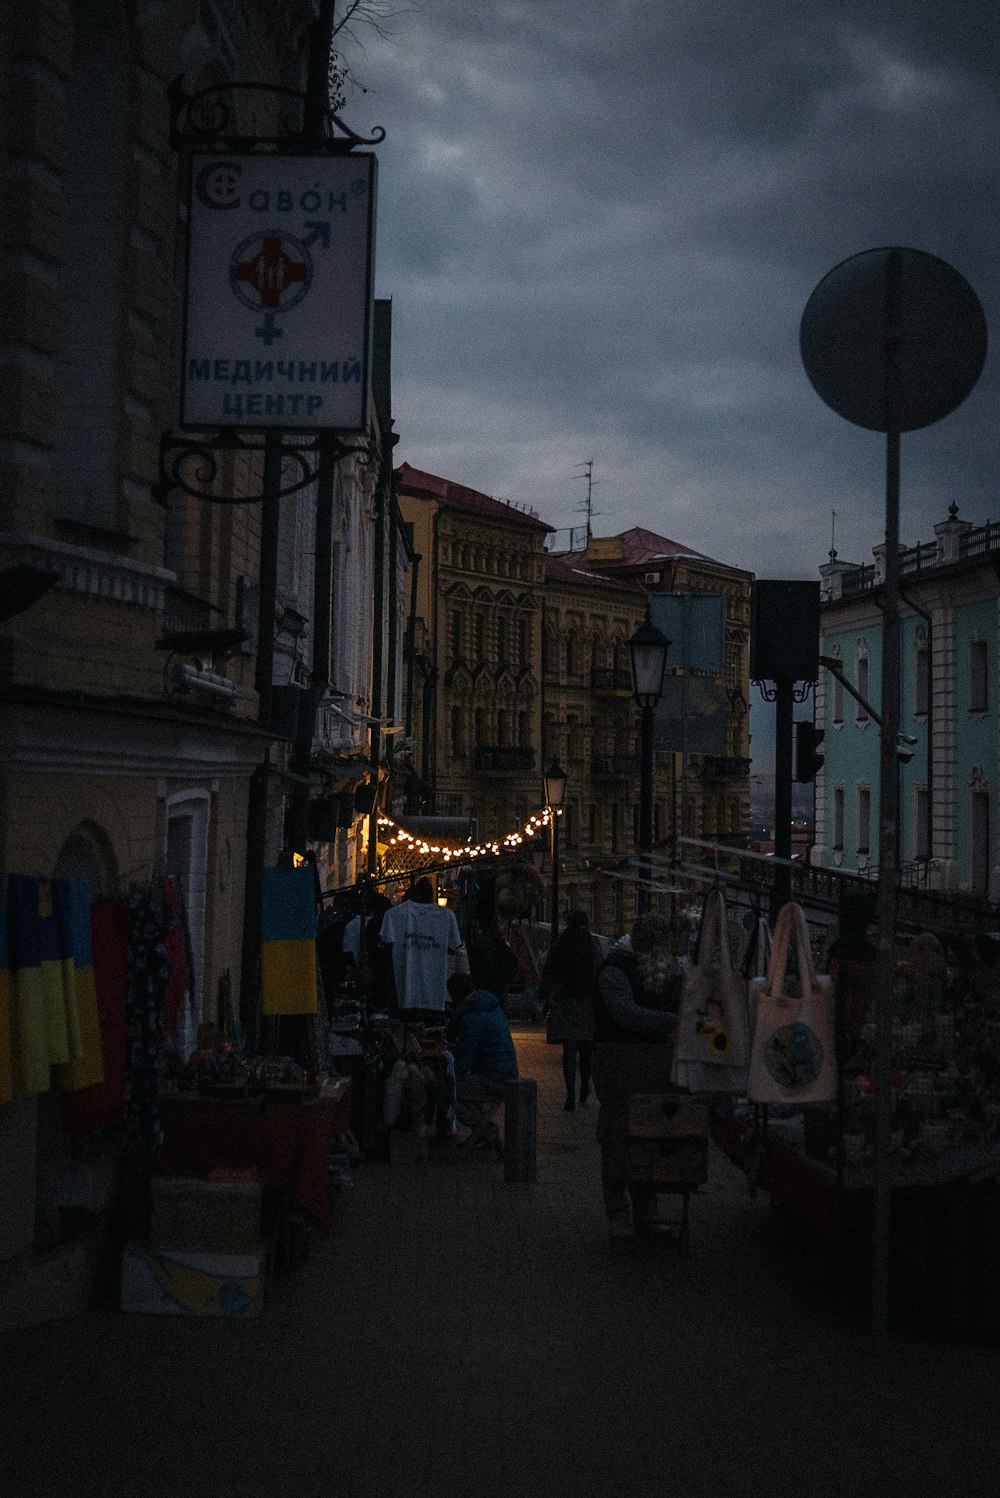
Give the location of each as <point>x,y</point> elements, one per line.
<point>569,988</point>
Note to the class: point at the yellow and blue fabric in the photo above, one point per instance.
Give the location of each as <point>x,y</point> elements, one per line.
<point>6,1017</point>
<point>40,1024</point>
<point>48,926</point>
<point>73,901</point>
<point>288,942</point>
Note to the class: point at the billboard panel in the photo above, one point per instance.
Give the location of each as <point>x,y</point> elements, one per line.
<point>705,713</point>
<point>279,286</point>
<point>695,625</point>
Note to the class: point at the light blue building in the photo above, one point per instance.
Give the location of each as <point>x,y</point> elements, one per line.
<point>950,788</point>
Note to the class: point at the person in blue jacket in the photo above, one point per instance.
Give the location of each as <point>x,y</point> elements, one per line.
<point>484,1052</point>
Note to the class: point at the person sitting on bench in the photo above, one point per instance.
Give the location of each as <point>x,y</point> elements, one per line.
<point>484,1052</point>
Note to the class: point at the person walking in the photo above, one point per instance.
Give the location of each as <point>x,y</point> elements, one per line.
<point>569,989</point>
<point>635,1021</point>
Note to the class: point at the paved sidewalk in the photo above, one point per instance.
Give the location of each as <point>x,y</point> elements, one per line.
<point>464,1337</point>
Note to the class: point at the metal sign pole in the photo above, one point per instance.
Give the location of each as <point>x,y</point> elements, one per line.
<point>885,969</point>
<point>892,339</point>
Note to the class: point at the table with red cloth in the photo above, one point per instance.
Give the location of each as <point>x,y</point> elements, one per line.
<point>289,1146</point>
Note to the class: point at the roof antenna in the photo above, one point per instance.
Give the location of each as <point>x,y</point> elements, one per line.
<point>588,504</point>
<point>833,535</point>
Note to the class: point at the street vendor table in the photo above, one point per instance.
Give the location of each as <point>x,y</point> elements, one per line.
<point>945,1220</point>
<point>289,1146</point>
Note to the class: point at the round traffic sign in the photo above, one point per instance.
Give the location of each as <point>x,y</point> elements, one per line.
<point>893,331</point>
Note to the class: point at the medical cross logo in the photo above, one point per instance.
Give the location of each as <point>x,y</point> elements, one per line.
<point>270,272</point>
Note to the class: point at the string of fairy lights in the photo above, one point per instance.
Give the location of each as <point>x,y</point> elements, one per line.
<point>398,837</point>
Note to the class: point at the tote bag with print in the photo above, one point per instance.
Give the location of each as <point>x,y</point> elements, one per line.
<point>793,1059</point>
<point>712,1044</point>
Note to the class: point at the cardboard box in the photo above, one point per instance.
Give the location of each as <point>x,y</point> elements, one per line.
<point>156,1283</point>
<point>659,1115</point>
<point>200,1216</point>
<point>668,1162</point>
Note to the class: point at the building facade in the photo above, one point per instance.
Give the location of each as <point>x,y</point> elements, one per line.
<point>474,677</point>
<point>949,604</point>
<point>520,657</point>
<point>137,724</point>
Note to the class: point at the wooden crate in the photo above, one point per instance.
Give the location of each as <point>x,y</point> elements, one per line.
<point>198,1216</point>
<point>679,1163</point>
<point>664,1115</point>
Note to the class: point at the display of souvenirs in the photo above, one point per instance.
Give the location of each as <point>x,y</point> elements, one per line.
<point>945,1058</point>
<point>223,1069</point>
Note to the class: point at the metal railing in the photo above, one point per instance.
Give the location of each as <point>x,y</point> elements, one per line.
<point>918,558</point>
<point>978,542</point>
<point>504,759</point>
<point>857,582</point>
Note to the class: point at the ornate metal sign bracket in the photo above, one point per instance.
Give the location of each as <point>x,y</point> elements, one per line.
<point>769,690</point>
<point>209,118</point>
<point>191,464</point>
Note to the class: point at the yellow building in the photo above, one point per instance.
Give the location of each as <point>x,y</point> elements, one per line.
<point>129,734</point>
<point>474,677</point>
<point>520,657</point>
<point>718,787</point>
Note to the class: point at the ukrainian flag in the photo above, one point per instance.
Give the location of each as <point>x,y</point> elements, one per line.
<point>6,1032</point>
<point>44,1022</point>
<point>288,942</point>
<point>73,907</point>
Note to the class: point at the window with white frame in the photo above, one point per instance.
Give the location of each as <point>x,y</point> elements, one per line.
<point>864,819</point>
<point>837,699</point>
<point>979,840</point>
<point>185,855</point>
<point>863,682</point>
<point>979,676</point>
<point>921,822</point>
<point>921,677</point>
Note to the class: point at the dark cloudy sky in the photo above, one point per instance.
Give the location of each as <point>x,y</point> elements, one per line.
<point>600,222</point>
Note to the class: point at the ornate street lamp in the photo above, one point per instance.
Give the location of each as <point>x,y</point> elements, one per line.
<point>555,790</point>
<point>647,652</point>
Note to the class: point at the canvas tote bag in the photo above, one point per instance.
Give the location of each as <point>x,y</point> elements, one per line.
<point>712,1044</point>
<point>793,1059</point>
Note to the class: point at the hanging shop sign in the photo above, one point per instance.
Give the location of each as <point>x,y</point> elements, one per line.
<point>278,297</point>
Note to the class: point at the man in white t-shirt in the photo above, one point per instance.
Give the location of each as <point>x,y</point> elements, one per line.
<point>422,936</point>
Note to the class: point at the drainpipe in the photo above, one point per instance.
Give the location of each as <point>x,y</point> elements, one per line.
<point>436,606</point>
<point>928,849</point>
<point>391,705</point>
<point>411,649</point>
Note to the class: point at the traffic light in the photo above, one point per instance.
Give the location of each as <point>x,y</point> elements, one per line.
<point>807,741</point>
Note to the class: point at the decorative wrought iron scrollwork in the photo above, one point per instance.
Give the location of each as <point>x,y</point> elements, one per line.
<point>191,464</point>
<point>208,118</point>
<point>769,690</point>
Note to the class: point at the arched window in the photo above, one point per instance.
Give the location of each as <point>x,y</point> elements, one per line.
<point>185,856</point>
<point>87,854</point>
<point>864,689</point>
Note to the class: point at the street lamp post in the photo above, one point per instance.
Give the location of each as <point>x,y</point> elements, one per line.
<point>648,659</point>
<point>555,790</point>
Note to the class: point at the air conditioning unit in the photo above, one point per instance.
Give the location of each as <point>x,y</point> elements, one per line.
<point>653,577</point>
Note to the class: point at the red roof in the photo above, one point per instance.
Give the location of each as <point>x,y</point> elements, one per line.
<point>572,567</point>
<point>640,547</point>
<point>457,497</point>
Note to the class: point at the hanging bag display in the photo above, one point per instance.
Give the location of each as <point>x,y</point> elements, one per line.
<point>793,1058</point>
<point>712,1046</point>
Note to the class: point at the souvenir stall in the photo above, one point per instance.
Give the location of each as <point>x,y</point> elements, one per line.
<point>250,1143</point>
<point>805,1130</point>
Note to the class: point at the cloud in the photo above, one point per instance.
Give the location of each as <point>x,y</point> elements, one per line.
<point>600,223</point>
